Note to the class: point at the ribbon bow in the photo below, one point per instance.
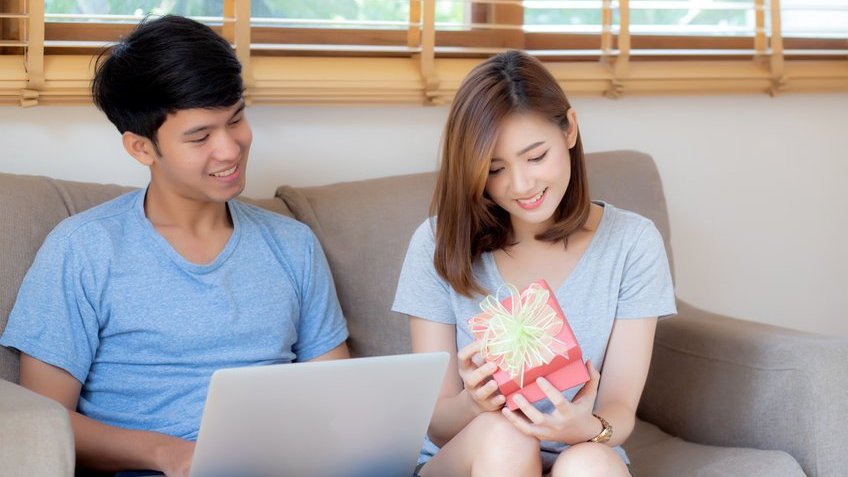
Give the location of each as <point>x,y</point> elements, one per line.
<point>522,337</point>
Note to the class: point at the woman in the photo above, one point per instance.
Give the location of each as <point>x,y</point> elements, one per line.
<point>511,206</point>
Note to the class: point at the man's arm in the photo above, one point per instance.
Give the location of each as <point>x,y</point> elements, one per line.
<point>100,446</point>
<point>339,352</point>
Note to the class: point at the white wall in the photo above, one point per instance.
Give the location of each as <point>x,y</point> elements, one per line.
<point>755,185</point>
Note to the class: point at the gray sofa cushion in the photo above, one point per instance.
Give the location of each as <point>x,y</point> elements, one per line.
<point>364,228</point>
<point>35,434</point>
<point>780,388</point>
<point>630,180</point>
<point>653,453</point>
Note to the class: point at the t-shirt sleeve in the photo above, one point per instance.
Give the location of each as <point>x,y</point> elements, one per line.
<point>646,286</point>
<point>53,319</point>
<point>421,292</point>
<point>321,326</point>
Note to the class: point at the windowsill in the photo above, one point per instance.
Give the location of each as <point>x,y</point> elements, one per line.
<point>351,80</point>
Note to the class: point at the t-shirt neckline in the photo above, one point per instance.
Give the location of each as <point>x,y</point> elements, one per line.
<point>175,256</point>
<point>495,274</point>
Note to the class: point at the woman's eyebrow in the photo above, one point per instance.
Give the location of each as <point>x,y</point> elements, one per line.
<point>531,146</point>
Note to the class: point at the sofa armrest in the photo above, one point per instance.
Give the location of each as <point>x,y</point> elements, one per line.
<point>727,382</point>
<point>35,433</point>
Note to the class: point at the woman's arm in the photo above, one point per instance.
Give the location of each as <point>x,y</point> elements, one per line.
<point>456,406</point>
<point>626,366</point>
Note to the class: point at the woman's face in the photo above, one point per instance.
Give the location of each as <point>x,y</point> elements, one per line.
<point>531,168</point>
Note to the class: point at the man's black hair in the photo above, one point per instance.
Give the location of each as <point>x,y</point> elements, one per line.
<point>165,65</point>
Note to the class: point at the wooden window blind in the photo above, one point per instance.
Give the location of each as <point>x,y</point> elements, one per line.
<point>418,51</point>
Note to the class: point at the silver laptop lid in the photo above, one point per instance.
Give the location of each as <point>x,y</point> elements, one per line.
<point>362,417</point>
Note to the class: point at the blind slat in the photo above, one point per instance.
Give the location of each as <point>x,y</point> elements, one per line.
<point>616,37</point>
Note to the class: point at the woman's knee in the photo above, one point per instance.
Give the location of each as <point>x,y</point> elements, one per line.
<point>589,459</point>
<point>500,436</point>
<point>489,445</point>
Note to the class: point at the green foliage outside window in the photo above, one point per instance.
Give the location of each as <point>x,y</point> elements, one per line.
<point>362,10</point>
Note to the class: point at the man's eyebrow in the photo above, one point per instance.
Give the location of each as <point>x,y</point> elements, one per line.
<point>196,130</point>
<point>204,127</point>
<point>239,109</point>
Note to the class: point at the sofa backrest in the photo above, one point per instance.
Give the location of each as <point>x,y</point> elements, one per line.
<point>30,206</point>
<point>365,227</point>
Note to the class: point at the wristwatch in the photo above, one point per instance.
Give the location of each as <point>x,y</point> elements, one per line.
<point>605,434</point>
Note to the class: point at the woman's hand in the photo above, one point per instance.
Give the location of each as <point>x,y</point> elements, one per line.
<point>570,422</point>
<point>478,382</point>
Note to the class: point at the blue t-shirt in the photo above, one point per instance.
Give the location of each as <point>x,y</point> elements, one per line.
<point>623,274</point>
<point>112,303</point>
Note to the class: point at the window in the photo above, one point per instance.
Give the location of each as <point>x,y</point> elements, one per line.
<point>384,51</point>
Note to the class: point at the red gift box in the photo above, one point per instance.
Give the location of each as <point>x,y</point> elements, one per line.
<point>546,345</point>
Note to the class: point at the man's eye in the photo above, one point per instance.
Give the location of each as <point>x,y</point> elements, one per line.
<point>235,121</point>
<point>200,140</point>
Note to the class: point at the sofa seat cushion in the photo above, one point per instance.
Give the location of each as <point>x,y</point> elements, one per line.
<point>35,435</point>
<point>653,453</point>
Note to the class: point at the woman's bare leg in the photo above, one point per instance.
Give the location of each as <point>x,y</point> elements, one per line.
<point>489,446</point>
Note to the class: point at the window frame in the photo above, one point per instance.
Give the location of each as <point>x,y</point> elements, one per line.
<point>426,65</point>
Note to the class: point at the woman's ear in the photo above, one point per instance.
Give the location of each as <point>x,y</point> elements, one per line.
<point>140,148</point>
<point>571,131</point>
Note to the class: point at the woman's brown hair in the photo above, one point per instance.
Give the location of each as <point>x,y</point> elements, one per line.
<point>468,222</point>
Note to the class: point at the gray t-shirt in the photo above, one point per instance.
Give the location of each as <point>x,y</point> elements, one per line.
<point>623,274</point>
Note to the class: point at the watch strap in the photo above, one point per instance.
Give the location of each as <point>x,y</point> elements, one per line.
<point>606,433</point>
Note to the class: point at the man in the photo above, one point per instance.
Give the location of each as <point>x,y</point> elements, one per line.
<point>130,306</point>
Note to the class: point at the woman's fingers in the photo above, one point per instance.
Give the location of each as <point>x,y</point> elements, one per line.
<point>484,391</point>
<point>535,416</point>
<point>552,393</point>
<point>467,352</point>
<point>519,422</point>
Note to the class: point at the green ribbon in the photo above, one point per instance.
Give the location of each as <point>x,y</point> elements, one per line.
<point>521,337</point>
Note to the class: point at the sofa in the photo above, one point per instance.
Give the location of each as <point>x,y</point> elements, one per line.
<point>724,397</point>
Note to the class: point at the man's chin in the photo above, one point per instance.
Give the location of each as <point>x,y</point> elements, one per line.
<point>237,191</point>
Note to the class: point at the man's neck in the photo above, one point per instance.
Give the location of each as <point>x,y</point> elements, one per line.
<point>168,209</point>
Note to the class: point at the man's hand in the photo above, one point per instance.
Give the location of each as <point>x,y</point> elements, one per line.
<point>174,457</point>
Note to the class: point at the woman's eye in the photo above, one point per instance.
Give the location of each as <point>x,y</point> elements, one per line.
<point>235,121</point>
<point>495,171</point>
<point>539,158</point>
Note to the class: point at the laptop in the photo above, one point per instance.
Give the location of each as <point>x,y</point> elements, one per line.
<point>361,417</point>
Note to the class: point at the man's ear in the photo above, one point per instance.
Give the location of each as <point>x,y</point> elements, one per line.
<point>140,148</point>
<point>571,131</point>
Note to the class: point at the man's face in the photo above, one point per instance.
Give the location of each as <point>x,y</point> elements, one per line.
<point>203,153</point>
